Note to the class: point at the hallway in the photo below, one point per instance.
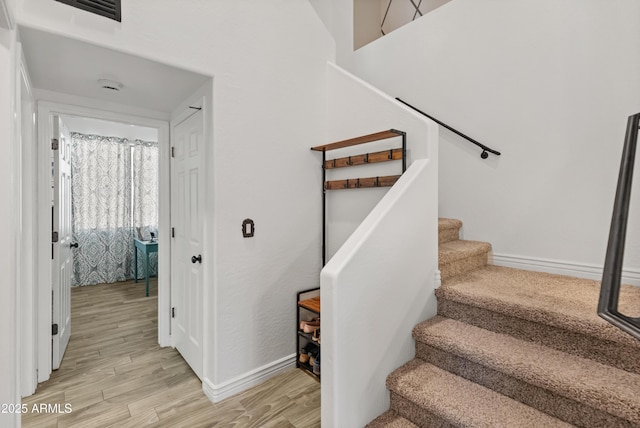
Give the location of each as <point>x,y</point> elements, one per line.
<point>115,374</point>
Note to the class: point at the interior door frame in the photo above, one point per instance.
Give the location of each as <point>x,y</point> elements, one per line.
<point>45,112</point>
<point>61,252</point>
<point>203,98</point>
<point>28,318</point>
<point>196,106</point>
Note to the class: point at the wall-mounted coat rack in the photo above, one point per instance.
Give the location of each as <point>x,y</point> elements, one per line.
<point>393,154</point>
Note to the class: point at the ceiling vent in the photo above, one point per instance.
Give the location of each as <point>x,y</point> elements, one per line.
<point>106,8</point>
<point>110,85</point>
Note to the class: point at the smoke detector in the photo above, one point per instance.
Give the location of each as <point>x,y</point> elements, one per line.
<point>110,85</point>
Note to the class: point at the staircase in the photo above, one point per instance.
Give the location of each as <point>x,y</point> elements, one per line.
<point>514,348</point>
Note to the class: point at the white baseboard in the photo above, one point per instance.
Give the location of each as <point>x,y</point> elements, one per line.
<point>631,277</point>
<point>217,393</point>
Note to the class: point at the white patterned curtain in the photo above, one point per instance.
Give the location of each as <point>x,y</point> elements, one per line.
<point>145,198</point>
<point>114,190</point>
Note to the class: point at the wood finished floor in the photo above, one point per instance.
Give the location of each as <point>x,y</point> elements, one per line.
<point>114,374</point>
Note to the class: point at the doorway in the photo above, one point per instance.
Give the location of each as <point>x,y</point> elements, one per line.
<point>187,216</point>
<point>109,197</point>
<point>80,118</point>
<point>114,199</point>
<point>151,95</point>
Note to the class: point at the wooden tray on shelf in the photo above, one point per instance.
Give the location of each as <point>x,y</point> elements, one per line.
<point>312,304</point>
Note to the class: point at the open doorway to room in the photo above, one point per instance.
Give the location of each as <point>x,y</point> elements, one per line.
<point>90,159</point>
<point>114,201</point>
<point>140,99</point>
<point>105,199</point>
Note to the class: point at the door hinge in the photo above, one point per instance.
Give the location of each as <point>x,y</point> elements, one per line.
<point>173,232</point>
<point>173,312</point>
<point>173,152</point>
<point>54,236</point>
<point>54,329</point>
<point>54,144</point>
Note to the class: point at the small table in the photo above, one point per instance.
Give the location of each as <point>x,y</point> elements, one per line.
<point>147,247</point>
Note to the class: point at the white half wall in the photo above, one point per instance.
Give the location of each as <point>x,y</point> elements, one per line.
<point>550,85</point>
<point>268,63</point>
<point>381,280</point>
<point>356,108</point>
<point>377,287</point>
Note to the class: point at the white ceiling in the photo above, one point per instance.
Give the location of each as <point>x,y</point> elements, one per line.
<point>73,67</point>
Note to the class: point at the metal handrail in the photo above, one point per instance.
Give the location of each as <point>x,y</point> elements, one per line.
<point>612,273</point>
<point>485,150</point>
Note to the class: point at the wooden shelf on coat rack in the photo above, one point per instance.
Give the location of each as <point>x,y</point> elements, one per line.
<point>392,154</point>
<point>367,158</point>
<point>309,300</point>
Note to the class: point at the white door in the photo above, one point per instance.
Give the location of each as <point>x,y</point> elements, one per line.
<point>62,265</point>
<point>187,197</point>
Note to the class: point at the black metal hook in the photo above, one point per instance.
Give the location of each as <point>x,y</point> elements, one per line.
<point>484,154</point>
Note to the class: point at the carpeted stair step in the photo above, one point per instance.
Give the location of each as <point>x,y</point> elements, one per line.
<point>578,390</point>
<point>459,257</point>
<point>448,230</point>
<point>390,419</point>
<point>551,310</point>
<point>431,397</point>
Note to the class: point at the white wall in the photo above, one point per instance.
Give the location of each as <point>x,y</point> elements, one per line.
<point>324,9</point>
<point>98,104</point>
<point>356,109</point>
<point>402,12</point>
<point>366,21</point>
<point>85,125</point>
<point>7,13</point>
<point>268,60</point>
<point>380,283</point>
<point>342,18</point>
<point>550,85</point>
<point>372,16</point>
<point>9,253</point>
